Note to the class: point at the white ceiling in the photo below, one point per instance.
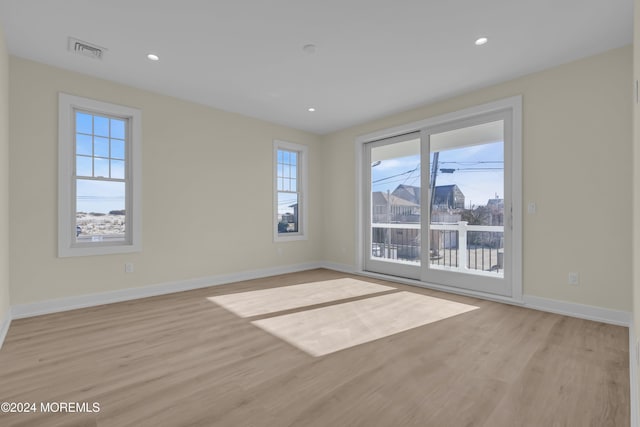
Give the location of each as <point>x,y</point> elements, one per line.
<point>373,57</point>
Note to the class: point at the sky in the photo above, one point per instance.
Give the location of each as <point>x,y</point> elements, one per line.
<point>478,172</point>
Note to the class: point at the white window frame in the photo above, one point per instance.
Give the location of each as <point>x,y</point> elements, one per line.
<point>303,210</point>
<point>67,245</point>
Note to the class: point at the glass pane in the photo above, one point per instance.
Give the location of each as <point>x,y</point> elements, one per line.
<point>117,149</point>
<point>294,172</point>
<point>101,126</point>
<point>83,166</point>
<point>117,169</point>
<point>83,144</point>
<point>467,172</point>
<point>287,213</point>
<point>100,211</point>
<point>294,185</point>
<point>294,158</point>
<point>101,167</point>
<point>117,128</point>
<point>285,157</point>
<point>101,147</point>
<point>395,202</point>
<point>84,123</point>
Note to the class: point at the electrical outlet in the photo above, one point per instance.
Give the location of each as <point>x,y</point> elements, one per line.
<point>574,279</point>
<point>128,267</point>
<point>532,208</point>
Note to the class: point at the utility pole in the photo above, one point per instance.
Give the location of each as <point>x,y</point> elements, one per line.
<point>434,241</point>
<point>434,174</point>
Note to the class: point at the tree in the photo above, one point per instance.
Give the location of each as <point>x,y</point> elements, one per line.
<point>480,215</point>
<point>476,216</point>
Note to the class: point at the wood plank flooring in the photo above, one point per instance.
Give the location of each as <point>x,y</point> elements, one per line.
<point>182,360</point>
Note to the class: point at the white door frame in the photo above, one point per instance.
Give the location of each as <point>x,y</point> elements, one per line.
<point>391,267</point>
<point>471,281</point>
<point>512,105</point>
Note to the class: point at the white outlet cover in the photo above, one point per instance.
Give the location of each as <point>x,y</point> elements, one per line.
<point>574,279</point>
<point>531,207</point>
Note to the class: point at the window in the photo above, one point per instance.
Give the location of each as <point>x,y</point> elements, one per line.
<point>290,161</point>
<point>99,163</point>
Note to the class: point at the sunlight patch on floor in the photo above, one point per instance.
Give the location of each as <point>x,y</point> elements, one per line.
<point>273,300</point>
<point>329,329</point>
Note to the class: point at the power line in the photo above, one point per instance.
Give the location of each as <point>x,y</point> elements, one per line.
<point>394,176</point>
<point>475,162</point>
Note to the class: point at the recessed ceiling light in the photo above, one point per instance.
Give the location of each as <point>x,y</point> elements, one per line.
<point>481,41</point>
<point>153,57</point>
<point>309,48</point>
<point>311,109</point>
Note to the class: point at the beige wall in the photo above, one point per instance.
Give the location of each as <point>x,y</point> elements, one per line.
<point>4,179</point>
<point>207,191</point>
<point>577,168</point>
<point>636,181</point>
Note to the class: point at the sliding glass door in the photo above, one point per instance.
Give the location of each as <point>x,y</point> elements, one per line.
<point>438,204</point>
<point>393,175</point>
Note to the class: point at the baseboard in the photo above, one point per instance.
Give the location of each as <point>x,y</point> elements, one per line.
<point>342,268</point>
<point>633,376</point>
<point>605,315</point>
<point>615,317</point>
<point>589,312</point>
<point>4,326</point>
<point>91,300</point>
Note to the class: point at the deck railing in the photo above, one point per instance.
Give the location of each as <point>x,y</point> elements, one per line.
<point>454,246</point>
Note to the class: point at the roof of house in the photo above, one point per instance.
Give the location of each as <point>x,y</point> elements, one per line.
<point>408,192</point>
<point>412,193</point>
<point>379,198</point>
<point>444,190</point>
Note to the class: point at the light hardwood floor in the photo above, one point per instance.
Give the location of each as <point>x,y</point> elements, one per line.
<point>182,360</point>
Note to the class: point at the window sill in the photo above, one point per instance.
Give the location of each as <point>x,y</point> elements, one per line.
<point>286,238</point>
<point>76,251</point>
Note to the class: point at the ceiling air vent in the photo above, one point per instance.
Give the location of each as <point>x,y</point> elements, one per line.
<point>85,49</point>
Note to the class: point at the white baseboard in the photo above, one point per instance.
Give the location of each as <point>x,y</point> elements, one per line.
<point>605,315</point>
<point>342,268</point>
<point>615,317</point>
<point>91,300</point>
<point>589,312</point>
<point>633,376</point>
<point>4,326</point>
